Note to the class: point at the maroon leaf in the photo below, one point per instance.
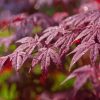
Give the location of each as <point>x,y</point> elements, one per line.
<point>28,44</point>
<point>45,56</point>
<point>51,33</point>
<point>2,61</point>
<point>81,74</point>
<point>17,59</point>
<point>80,51</point>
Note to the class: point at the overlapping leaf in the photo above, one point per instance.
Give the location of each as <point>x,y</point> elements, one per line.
<point>82,18</point>
<point>45,56</point>
<point>80,51</point>
<point>54,42</point>
<point>20,55</point>
<point>90,33</point>
<point>17,59</point>
<point>28,44</point>
<point>64,43</point>
<point>83,48</point>
<point>27,25</point>
<point>81,74</point>
<point>90,41</point>
<point>23,51</point>
<point>51,33</point>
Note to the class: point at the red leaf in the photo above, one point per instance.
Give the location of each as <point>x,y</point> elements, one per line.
<point>17,19</point>
<point>5,64</point>
<point>45,56</point>
<point>77,41</point>
<point>81,74</point>
<point>4,23</point>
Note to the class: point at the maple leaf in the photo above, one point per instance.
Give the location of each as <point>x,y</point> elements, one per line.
<point>23,52</point>
<point>94,52</point>
<point>51,33</point>
<point>81,49</point>
<point>64,43</point>
<point>90,40</point>
<point>81,74</point>
<point>24,24</point>
<point>91,32</point>
<point>81,19</point>
<point>17,59</point>
<point>3,60</point>
<point>45,56</point>
<point>28,44</point>
<point>27,25</point>
<point>20,55</point>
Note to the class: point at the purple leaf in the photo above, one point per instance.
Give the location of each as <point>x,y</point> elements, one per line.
<point>81,74</point>
<point>51,33</point>
<point>45,56</point>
